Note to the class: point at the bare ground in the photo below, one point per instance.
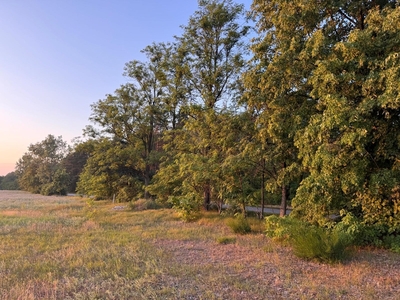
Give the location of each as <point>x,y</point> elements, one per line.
<point>369,274</point>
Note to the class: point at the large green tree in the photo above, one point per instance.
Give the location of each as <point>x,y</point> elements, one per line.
<point>40,171</point>
<point>351,146</point>
<point>213,45</point>
<point>293,36</point>
<point>111,171</point>
<point>136,114</point>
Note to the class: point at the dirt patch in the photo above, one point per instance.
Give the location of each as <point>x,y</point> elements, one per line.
<point>367,275</point>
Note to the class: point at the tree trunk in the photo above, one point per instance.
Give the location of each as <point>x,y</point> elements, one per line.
<point>207,197</point>
<point>146,181</point>
<point>282,211</point>
<point>262,194</point>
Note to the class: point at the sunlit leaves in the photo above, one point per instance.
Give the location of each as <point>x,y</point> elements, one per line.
<point>353,140</point>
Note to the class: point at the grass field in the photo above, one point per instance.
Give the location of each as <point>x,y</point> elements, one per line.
<point>70,248</point>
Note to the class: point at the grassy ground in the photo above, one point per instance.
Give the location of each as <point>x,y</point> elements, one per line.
<point>68,248</point>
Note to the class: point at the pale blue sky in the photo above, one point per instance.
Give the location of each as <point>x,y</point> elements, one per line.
<point>59,56</point>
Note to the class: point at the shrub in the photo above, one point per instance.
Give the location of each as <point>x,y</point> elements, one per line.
<point>239,224</point>
<point>362,233</point>
<point>188,210</point>
<point>49,189</point>
<point>309,242</point>
<point>392,242</point>
<point>319,243</point>
<point>278,228</point>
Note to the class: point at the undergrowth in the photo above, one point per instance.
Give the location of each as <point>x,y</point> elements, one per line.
<point>239,224</point>
<point>310,242</point>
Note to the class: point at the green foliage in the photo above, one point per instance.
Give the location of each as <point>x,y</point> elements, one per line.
<point>310,242</point>
<point>392,242</point>
<point>364,233</point>
<point>213,46</point>
<point>9,182</point>
<point>239,224</point>
<point>40,169</point>
<point>75,161</point>
<point>111,171</point>
<point>279,228</point>
<point>323,88</point>
<point>214,42</point>
<point>351,144</point>
<point>188,209</point>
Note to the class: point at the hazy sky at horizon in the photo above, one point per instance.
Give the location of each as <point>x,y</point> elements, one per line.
<point>58,57</point>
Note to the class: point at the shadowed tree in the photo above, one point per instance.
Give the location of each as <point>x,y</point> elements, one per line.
<point>9,182</point>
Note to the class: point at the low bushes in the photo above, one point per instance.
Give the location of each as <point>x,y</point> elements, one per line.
<point>309,242</point>
<point>239,224</point>
<point>330,244</point>
<point>318,243</point>
<point>377,235</point>
<point>187,209</point>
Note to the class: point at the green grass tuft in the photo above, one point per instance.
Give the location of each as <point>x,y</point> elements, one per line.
<point>318,243</point>
<point>239,224</point>
<point>226,240</point>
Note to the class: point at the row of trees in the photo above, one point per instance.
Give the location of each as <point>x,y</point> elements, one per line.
<point>9,182</point>
<point>51,167</point>
<point>307,112</point>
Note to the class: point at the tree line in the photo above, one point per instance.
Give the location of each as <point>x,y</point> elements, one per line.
<point>9,182</point>
<point>301,108</point>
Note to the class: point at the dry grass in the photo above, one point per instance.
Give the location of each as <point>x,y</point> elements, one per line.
<point>67,248</point>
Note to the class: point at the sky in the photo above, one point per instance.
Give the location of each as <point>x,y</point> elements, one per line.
<point>58,57</point>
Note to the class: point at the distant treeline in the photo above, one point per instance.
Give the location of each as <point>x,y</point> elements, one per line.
<point>9,182</point>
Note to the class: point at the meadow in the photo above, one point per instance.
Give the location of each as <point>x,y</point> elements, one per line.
<point>75,248</point>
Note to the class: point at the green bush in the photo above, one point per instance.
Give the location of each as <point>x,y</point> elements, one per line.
<point>188,210</point>
<point>239,224</point>
<point>309,242</point>
<point>278,228</point>
<point>377,235</point>
<point>319,243</point>
<point>49,189</point>
<point>392,242</point>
